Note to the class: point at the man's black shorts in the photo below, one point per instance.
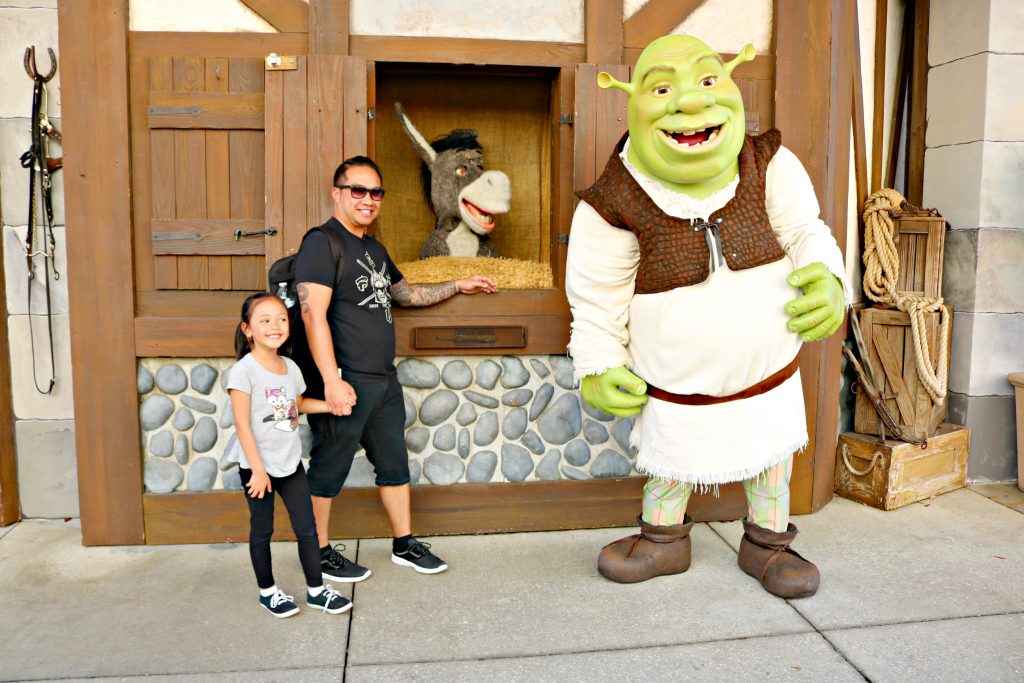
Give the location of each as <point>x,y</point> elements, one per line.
<point>377,423</point>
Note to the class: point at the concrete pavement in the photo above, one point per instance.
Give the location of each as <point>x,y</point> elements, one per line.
<point>934,591</point>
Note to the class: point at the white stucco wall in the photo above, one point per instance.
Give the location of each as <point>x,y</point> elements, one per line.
<point>725,25</point>
<point>194,15</point>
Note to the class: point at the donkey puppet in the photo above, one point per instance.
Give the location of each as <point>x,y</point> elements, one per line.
<point>463,196</point>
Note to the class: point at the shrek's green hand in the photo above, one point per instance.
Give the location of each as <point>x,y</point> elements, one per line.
<point>603,392</point>
<point>820,311</point>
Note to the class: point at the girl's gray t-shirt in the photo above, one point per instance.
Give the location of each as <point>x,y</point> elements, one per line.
<point>272,413</point>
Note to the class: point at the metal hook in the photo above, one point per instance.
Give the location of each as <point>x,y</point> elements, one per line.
<point>30,64</point>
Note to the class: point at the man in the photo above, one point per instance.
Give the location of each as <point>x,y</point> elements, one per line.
<point>686,263</point>
<point>352,339</point>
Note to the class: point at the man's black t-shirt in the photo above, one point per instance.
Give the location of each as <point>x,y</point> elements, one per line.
<point>359,314</point>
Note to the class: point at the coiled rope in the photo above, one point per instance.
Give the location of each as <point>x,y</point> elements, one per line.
<point>881,273</point>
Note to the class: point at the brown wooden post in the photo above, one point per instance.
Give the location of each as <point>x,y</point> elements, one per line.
<point>328,27</point>
<point>94,77</point>
<point>10,503</point>
<point>812,109</point>
<point>917,110</point>
<point>603,22</point>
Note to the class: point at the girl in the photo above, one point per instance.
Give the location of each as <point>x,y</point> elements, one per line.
<point>266,397</point>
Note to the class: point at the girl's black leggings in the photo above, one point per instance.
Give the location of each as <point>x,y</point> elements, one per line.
<point>294,491</point>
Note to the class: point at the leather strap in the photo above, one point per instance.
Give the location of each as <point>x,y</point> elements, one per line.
<point>764,386</point>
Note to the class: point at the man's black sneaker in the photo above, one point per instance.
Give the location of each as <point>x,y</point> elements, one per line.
<point>419,557</point>
<point>330,601</point>
<point>279,604</point>
<point>335,567</point>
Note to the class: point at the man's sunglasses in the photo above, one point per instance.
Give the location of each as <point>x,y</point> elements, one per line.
<point>358,191</point>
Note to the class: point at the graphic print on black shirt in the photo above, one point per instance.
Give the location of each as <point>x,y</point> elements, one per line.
<point>380,296</point>
<point>359,314</point>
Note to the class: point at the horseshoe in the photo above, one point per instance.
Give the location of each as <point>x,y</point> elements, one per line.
<point>30,64</point>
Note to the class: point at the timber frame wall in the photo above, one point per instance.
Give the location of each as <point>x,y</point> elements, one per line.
<point>812,106</point>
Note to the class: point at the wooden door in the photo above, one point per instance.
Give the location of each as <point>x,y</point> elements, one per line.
<point>10,507</point>
<point>315,117</point>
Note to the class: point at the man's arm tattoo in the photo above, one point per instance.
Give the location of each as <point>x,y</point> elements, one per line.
<point>303,293</point>
<point>423,295</point>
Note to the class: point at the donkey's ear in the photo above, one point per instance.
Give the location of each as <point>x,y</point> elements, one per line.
<point>419,143</point>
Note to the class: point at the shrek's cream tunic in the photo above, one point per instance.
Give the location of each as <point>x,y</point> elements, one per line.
<point>716,338</point>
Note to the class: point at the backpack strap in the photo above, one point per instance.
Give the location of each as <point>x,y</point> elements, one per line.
<point>337,248</point>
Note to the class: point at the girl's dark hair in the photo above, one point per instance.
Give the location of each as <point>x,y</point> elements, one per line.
<point>342,169</point>
<point>241,343</point>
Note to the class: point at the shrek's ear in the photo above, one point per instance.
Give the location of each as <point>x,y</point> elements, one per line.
<point>745,55</point>
<point>606,80</point>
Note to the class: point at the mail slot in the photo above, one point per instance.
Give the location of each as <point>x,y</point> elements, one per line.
<point>512,337</point>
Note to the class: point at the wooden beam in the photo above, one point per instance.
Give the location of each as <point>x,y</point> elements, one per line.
<point>221,516</point>
<point>226,45</point>
<point>656,18</point>
<point>287,16</point>
<point>918,109</point>
<point>328,27</point>
<point>603,23</point>
<point>206,110</point>
<point>467,51</point>
<point>10,504</point>
<point>902,77</point>
<point>94,94</point>
<point>878,117</point>
<point>812,109</point>
<point>860,158</point>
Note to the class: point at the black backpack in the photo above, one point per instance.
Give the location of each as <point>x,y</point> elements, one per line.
<point>281,276</point>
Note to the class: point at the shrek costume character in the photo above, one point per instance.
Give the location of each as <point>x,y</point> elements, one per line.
<point>697,267</point>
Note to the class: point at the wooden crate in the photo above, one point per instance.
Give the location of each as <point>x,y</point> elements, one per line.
<point>890,346</point>
<point>919,242</point>
<point>896,473</point>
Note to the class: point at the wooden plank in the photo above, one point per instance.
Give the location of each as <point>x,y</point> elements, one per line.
<point>354,118</point>
<point>603,28</point>
<point>249,273</point>
<point>211,44</point>
<point>893,367</point>
<point>295,217</point>
<point>324,134</point>
<point>246,76</point>
<point>466,51</point>
<point>562,161</point>
<point>246,161</point>
<point>917,118</point>
<point>189,75</point>
<point>584,120</point>
<point>812,59</point>
<point>218,178</point>
<point>273,155</point>
<point>184,338</point>
<point>860,155</point>
<point>221,516</point>
<point>10,502</point>
<point>328,27</point>
<point>656,18</point>
<point>878,113</point>
<point>902,78</point>
<point>287,16</point>
<point>206,236</point>
<point>142,188</point>
<point>94,95</point>
<point>219,110</point>
<point>611,117</point>
<point>188,304</point>
<point>165,272</point>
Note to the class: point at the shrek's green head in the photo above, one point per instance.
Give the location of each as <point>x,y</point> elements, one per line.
<point>686,123</point>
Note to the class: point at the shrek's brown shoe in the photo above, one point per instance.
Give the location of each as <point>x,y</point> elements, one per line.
<point>655,551</point>
<point>767,557</point>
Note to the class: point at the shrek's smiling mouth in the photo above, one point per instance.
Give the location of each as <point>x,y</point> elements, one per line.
<point>694,139</point>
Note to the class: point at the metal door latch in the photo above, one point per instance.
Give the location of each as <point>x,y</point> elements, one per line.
<point>269,231</point>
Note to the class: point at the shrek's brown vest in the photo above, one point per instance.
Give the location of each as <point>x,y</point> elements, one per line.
<point>673,251</point>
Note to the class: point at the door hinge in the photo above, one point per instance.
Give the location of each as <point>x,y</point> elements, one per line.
<point>565,119</point>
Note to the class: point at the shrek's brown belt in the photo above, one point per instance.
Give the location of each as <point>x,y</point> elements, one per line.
<point>764,386</point>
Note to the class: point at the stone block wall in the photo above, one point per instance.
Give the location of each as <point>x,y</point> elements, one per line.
<point>44,423</point>
<point>508,418</point>
<point>973,176</point>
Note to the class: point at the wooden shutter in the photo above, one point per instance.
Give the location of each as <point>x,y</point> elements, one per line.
<point>198,174</point>
<point>598,121</point>
<point>315,117</point>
